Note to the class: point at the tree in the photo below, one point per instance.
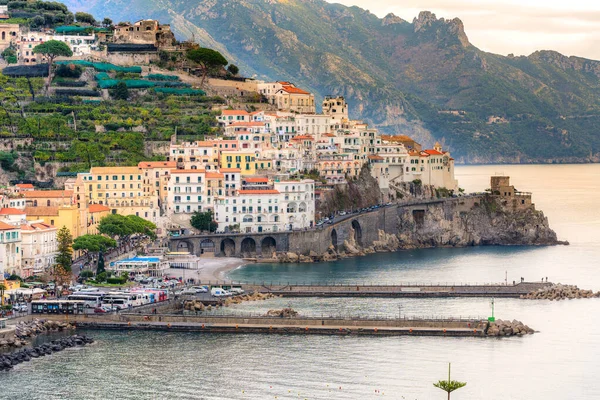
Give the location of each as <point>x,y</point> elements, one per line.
<point>50,50</point>
<point>208,60</point>
<point>116,225</point>
<point>64,259</point>
<point>100,268</point>
<point>204,221</point>
<point>85,18</point>
<point>107,22</point>
<point>93,243</point>
<point>233,69</point>
<point>449,386</point>
<point>121,92</point>
<point>2,289</point>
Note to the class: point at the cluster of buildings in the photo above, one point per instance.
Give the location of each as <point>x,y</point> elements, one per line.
<point>29,222</point>
<point>139,41</point>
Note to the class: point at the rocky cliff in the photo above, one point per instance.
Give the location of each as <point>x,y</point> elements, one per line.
<point>474,221</point>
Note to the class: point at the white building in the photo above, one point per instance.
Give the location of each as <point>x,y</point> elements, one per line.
<point>10,249</point>
<point>264,207</point>
<point>39,248</point>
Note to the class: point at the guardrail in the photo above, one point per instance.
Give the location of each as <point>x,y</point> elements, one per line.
<point>373,284</point>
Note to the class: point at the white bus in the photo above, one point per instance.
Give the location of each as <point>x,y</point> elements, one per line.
<point>113,302</point>
<point>134,298</point>
<point>90,301</point>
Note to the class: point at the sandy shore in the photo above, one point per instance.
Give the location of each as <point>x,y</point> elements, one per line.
<point>212,270</point>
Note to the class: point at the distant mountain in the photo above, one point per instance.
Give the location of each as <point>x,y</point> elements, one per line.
<point>423,78</point>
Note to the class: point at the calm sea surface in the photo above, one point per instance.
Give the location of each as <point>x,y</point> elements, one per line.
<point>562,361</point>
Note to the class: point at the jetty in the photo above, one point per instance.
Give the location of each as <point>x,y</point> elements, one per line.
<point>379,326</point>
<point>299,325</point>
<point>407,290</point>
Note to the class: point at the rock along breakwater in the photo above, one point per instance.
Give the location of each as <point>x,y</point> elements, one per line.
<point>25,330</point>
<point>8,361</point>
<point>508,328</point>
<point>560,292</point>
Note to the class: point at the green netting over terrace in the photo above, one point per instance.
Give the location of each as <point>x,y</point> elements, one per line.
<point>161,77</point>
<point>181,92</point>
<point>140,84</point>
<point>72,29</point>
<point>101,76</point>
<point>102,67</point>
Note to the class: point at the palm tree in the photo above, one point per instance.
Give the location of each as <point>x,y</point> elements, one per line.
<point>449,386</point>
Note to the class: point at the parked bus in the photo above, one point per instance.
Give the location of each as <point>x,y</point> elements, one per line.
<point>116,302</point>
<point>57,307</point>
<point>90,301</point>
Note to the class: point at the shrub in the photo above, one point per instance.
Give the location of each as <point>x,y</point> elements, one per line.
<point>69,71</point>
<point>116,281</point>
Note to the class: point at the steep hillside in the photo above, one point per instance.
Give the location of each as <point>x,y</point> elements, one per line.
<point>423,78</point>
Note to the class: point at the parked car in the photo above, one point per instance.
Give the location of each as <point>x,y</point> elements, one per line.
<point>236,290</point>
<point>200,289</point>
<point>20,307</point>
<point>101,310</point>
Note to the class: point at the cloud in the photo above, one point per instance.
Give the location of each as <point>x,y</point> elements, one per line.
<point>510,26</point>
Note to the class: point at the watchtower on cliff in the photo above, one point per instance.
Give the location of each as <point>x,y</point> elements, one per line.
<point>511,197</point>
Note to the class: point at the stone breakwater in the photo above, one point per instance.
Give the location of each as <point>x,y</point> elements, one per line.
<point>560,292</point>
<point>8,361</point>
<point>197,305</point>
<point>508,328</point>
<point>27,329</point>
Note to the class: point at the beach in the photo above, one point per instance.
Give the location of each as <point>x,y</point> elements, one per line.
<point>212,269</point>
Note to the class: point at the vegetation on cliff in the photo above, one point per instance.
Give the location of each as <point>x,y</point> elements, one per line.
<point>421,78</point>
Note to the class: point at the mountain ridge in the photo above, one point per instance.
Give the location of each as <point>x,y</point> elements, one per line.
<point>422,78</point>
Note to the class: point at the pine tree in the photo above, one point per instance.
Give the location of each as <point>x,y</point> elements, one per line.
<point>100,268</point>
<point>65,251</point>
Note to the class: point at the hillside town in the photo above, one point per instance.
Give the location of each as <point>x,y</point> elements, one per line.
<point>264,172</point>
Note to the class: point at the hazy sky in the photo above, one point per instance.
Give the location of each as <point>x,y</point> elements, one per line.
<point>571,27</point>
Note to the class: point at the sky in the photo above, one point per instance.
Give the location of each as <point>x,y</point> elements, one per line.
<point>571,27</point>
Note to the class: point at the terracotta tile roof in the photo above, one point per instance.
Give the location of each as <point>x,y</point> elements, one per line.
<point>375,157</point>
<point>157,164</point>
<point>24,185</point>
<point>188,171</point>
<point>11,211</point>
<point>6,227</point>
<point>234,112</point>
<point>259,191</point>
<point>256,180</point>
<point>329,135</point>
<point>44,194</point>
<point>94,208</point>
<point>214,175</point>
<point>230,170</point>
<point>41,211</point>
<point>302,137</point>
<point>294,90</point>
<point>433,152</point>
<point>397,138</point>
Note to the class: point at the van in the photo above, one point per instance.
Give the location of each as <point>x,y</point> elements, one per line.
<point>219,292</point>
<point>236,290</point>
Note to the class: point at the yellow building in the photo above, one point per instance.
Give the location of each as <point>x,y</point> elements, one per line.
<point>119,188</point>
<point>70,216</point>
<point>247,162</point>
<point>95,212</point>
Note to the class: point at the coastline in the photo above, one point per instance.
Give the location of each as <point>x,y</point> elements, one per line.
<point>212,269</point>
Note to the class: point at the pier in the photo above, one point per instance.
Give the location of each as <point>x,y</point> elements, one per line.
<point>407,290</point>
<point>246,324</point>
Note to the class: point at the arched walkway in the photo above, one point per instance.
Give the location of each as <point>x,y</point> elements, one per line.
<point>185,246</point>
<point>248,248</point>
<point>334,239</point>
<point>268,246</point>
<point>357,232</point>
<point>207,246</point>
<point>228,247</point>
